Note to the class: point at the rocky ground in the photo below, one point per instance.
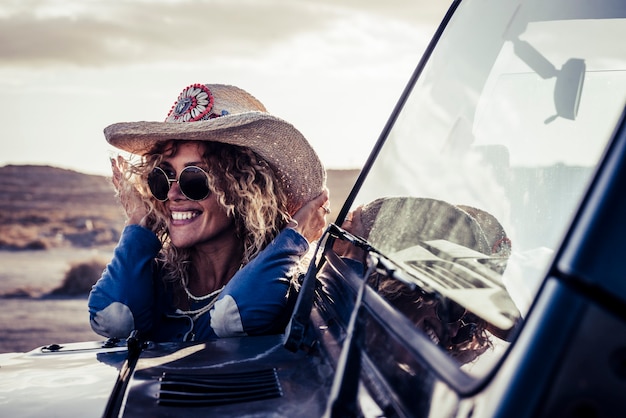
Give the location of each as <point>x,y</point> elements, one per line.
<point>51,221</point>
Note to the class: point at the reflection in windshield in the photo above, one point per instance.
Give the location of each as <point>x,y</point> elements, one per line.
<point>493,150</point>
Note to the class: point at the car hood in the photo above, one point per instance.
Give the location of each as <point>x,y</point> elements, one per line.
<point>248,376</point>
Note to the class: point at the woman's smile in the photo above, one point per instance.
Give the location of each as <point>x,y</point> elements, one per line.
<point>182,217</point>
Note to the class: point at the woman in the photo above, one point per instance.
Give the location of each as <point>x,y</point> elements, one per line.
<point>221,209</point>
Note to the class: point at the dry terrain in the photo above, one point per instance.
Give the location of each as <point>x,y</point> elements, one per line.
<point>44,207</point>
<point>56,225</point>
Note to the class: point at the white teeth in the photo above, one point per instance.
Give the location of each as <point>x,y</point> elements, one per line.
<point>181,216</point>
<point>432,335</point>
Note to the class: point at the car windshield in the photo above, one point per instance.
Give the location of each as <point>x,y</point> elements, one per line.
<point>493,149</point>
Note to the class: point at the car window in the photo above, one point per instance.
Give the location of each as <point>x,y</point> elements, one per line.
<point>489,157</point>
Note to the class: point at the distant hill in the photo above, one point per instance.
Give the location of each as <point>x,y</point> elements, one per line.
<point>43,207</point>
<point>46,207</point>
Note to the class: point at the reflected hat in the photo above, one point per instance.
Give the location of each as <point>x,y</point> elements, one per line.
<point>230,115</point>
<point>397,223</point>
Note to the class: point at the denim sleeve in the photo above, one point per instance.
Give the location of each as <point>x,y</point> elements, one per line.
<point>122,300</point>
<point>256,296</point>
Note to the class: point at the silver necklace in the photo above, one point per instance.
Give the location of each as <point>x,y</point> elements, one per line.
<point>201,298</point>
<point>207,296</point>
<point>197,313</point>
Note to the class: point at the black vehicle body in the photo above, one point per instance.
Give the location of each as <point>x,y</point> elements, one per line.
<point>499,180</point>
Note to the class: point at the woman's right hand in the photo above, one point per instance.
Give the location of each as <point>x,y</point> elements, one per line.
<point>353,225</point>
<point>130,198</point>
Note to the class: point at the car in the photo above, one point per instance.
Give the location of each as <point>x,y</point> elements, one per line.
<point>476,268</point>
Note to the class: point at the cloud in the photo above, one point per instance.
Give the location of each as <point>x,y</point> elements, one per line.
<point>334,68</point>
<point>101,32</point>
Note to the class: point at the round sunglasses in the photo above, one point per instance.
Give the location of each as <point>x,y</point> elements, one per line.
<point>454,313</point>
<point>193,182</point>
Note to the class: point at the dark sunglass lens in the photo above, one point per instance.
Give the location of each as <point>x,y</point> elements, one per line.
<point>455,312</point>
<point>159,184</point>
<point>193,183</point>
<point>450,312</point>
<point>464,335</point>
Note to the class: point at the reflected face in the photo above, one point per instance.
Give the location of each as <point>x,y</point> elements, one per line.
<point>452,329</point>
<point>192,223</point>
<point>425,316</point>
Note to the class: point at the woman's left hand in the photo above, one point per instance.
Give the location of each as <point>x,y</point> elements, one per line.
<point>311,218</point>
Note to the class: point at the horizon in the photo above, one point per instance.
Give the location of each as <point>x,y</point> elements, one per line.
<point>109,174</point>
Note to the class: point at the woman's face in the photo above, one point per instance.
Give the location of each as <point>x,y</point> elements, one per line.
<point>192,223</point>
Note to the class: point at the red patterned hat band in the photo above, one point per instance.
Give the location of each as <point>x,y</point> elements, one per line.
<point>194,103</point>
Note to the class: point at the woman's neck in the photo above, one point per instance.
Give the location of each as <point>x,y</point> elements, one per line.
<point>213,266</point>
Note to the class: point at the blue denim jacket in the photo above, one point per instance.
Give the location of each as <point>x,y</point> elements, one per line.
<point>131,294</point>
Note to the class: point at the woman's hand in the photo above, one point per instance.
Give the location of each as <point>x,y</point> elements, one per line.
<point>354,225</point>
<point>136,211</point>
<point>311,218</point>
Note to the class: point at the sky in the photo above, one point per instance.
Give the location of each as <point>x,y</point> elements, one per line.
<point>333,68</point>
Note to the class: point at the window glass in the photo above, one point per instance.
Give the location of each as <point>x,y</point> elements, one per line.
<point>492,152</point>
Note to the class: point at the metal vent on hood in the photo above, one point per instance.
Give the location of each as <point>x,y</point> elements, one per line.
<point>218,389</point>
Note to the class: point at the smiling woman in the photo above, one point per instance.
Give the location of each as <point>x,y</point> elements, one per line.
<point>222,207</point>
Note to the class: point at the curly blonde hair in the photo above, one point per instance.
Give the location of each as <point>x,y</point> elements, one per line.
<point>244,185</point>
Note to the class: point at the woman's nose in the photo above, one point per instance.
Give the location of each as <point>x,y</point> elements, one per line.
<point>174,192</point>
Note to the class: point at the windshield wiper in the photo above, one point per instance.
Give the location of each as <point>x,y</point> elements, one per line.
<point>114,405</point>
<point>343,395</point>
<point>383,265</point>
<point>297,330</point>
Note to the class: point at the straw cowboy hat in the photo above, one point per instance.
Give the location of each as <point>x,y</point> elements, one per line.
<point>431,219</point>
<point>230,115</point>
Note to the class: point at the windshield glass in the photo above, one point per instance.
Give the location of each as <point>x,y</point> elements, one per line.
<point>493,150</point>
